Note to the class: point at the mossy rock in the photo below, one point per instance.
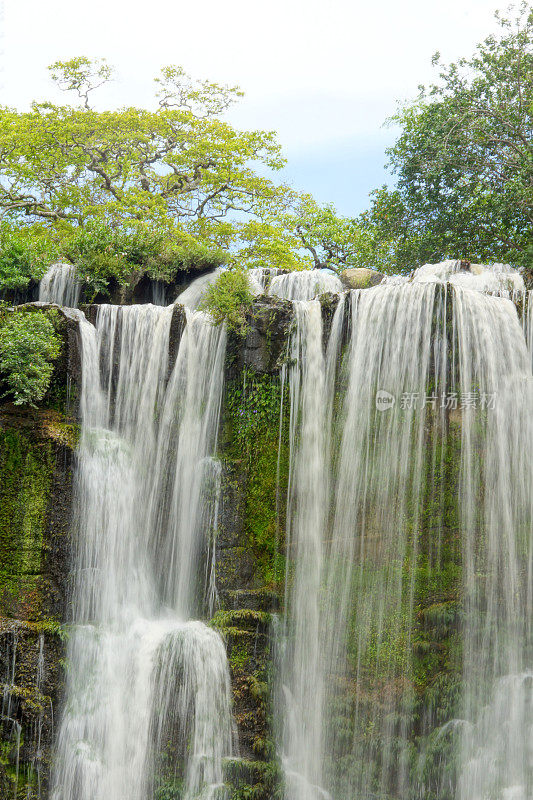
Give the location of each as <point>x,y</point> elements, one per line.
<point>254,599</point>
<point>31,681</point>
<point>360,278</point>
<point>252,780</point>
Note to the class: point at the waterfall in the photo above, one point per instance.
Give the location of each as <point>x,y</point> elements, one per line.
<point>305,525</point>
<point>60,285</point>
<point>497,518</point>
<point>192,296</point>
<point>158,293</point>
<point>301,697</point>
<point>369,596</point>
<point>410,479</point>
<point>259,279</point>
<point>148,694</point>
<point>304,285</point>
<point>404,665</point>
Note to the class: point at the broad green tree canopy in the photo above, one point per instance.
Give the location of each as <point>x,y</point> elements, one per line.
<point>464,158</point>
<point>181,161</point>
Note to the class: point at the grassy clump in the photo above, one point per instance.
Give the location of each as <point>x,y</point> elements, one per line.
<point>228,299</point>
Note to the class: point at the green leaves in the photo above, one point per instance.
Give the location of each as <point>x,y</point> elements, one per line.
<point>228,299</point>
<point>24,254</point>
<point>179,162</point>
<point>81,75</point>
<point>464,159</point>
<point>28,347</point>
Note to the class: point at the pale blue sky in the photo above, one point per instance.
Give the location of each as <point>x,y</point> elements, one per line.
<point>323,75</point>
<point>344,174</point>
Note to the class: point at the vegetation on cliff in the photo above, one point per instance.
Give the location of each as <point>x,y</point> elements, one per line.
<point>229,298</point>
<point>29,346</point>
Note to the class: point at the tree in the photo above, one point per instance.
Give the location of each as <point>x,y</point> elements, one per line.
<point>333,241</point>
<point>464,158</point>
<point>181,162</point>
<point>269,243</point>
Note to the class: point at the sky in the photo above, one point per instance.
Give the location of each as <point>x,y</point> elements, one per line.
<point>324,75</point>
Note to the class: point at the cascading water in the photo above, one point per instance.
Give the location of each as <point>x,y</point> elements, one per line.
<point>193,295</point>
<point>259,278</point>
<point>148,694</point>
<point>412,479</point>
<point>497,519</point>
<point>60,285</point>
<point>305,527</point>
<point>304,285</point>
<point>310,384</point>
<point>370,591</point>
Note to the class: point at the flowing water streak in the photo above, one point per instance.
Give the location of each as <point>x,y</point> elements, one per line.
<point>526,300</point>
<point>193,295</point>
<point>305,529</point>
<point>497,517</point>
<point>259,278</point>
<point>311,378</point>
<point>60,285</point>
<point>137,443</point>
<point>368,597</point>
<point>187,439</point>
<point>304,285</point>
<point>159,293</point>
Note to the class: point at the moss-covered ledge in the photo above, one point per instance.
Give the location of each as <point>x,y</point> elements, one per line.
<point>31,665</point>
<point>250,543</point>
<point>36,459</point>
<point>36,485</point>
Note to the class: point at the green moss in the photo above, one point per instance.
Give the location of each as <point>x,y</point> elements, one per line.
<point>241,618</point>
<point>25,479</point>
<point>252,419</point>
<point>252,780</point>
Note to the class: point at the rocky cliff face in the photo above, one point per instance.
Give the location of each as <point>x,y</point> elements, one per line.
<point>36,464</point>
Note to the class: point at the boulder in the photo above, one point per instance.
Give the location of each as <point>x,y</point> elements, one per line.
<point>360,278</point>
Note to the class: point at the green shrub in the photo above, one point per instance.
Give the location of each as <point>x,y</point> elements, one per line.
<point>15,265</point>
<point>229,298</point>
<point>102,253</point>
<point>175,256</point>
<point>25,253</point>
<point>170,790</point>
<point>28,347</point>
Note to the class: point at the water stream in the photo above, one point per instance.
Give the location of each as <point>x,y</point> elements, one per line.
<point>60,285</point>
<point>405,649</point>
<point>417,483</point>
<point>148,693</point>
